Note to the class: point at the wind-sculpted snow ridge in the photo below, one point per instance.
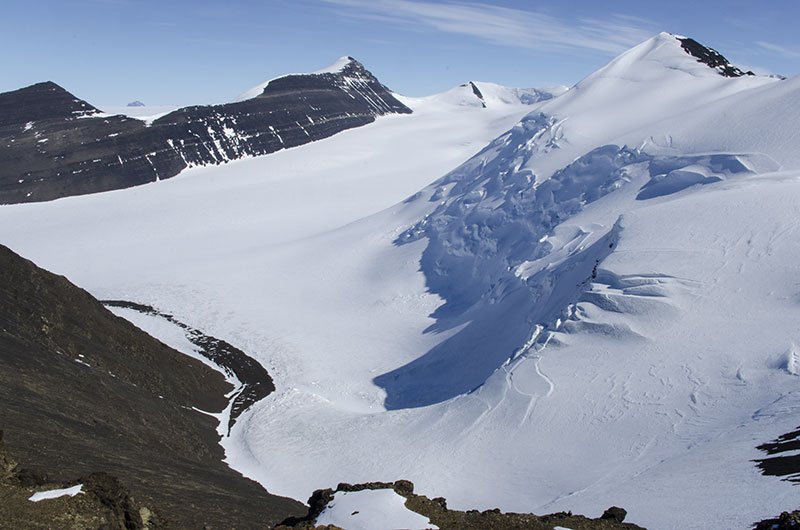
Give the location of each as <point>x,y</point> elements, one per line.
<point>504,256</point>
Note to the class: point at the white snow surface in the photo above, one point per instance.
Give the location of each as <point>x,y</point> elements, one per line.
<point>598,308</point>
<point>337,65</point>
<point>148,113</point>
<point>492,95</point>
<point>256,91</point>
<point>54,494</point>
<point>381,509</point>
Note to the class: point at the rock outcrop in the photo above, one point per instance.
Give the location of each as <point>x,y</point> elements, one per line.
<point>712,58</point>
<point>102,502</point>
<point>446,519</point>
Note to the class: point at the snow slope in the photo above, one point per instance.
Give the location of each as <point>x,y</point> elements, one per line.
<point>597,308</point>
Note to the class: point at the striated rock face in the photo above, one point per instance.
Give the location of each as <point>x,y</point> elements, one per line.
<point>53,144</point>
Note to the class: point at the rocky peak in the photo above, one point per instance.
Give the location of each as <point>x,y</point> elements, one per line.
<point>711,57</point>
<point>42,101</point>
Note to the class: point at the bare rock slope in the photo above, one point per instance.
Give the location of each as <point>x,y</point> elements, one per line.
<point>84,391</point>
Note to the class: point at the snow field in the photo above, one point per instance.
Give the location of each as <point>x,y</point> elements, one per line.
<point>372,510</point>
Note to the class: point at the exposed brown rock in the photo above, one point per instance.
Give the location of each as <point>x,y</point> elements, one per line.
<point>437,512</point>
<point>84,391</point>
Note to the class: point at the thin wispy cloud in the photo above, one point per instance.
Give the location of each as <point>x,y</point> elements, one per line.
<point>786,52</point>
<point>505,26</point>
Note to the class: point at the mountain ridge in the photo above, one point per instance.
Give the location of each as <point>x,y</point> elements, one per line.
<point>67,147</point>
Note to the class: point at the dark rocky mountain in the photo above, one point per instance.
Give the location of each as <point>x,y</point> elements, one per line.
<point>84,391</point>
<point>711,57</point>
<point>53,144</point>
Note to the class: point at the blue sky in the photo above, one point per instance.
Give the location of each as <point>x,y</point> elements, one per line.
<point>111,52</point>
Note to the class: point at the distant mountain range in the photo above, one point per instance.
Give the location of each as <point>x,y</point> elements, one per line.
<point>53,144</point>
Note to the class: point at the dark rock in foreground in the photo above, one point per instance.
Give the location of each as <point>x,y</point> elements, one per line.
<point>84,391</point>
<point>437,512</point>
<point>104,502</point>
<point>786,521</point>
<point>53,144</point>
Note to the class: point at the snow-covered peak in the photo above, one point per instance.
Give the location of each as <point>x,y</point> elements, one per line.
<point>480,94</point>
<point>338,66</point>
<point>627,99</point>
<point>494,94</point>
<point>667,52</point>
<point>650,60</point>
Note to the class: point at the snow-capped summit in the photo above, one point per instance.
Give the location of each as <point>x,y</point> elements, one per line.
<point>647,60</point>
<point>346,65</point>
<point>484,95</point>
<point>627,99</point>
<point>337,65</point>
